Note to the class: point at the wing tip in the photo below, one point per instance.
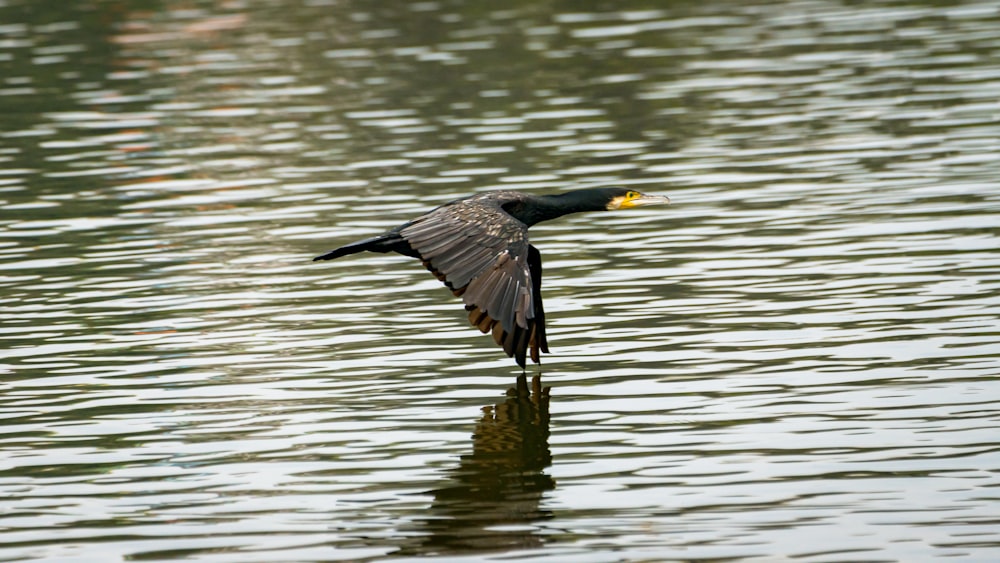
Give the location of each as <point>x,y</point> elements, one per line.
<point>521,344</point>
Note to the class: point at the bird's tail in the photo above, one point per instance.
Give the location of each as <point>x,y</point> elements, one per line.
<point>381,243</point>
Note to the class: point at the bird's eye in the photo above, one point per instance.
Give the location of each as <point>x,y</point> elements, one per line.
<point>631,195</point>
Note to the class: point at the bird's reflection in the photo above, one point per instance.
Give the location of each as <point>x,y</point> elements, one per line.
<point>496,491</point>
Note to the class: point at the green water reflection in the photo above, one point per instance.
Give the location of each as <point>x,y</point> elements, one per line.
<point>493,499</point>
<point>798,359</point>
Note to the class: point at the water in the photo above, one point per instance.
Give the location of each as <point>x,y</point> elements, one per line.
<point>799,359</point>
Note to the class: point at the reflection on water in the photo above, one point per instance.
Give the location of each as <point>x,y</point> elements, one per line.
<point>494,495</point>
<point>798,359</point>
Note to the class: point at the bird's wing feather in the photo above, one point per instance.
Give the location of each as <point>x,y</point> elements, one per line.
<point>539,343</point>
<point>482,254</point>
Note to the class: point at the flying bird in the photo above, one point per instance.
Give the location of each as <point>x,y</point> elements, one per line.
<point>478,246</point>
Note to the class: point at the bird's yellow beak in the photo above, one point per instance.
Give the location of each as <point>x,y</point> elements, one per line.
<point>637,199</point>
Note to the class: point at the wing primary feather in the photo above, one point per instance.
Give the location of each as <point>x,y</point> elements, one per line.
<point>508,343</point>
<point>533,343</point>
<point>484,288</point>
<point>508,307</point>
<point>486,324</point>
<point>475,315</point>
<point>499,303</point>
<point>498,334</point>
<point>535,268</point>
<point>520,345</point>
<point>523,315</point>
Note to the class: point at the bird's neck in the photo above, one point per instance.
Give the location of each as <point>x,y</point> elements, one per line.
<point>540,208</point>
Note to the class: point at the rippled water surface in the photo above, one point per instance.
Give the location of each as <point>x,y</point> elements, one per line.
<point>798,359</point>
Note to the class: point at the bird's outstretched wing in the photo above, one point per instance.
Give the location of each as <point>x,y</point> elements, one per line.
<point>482,254</point>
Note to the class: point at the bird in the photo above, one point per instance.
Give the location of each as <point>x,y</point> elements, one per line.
<point>478,246</point>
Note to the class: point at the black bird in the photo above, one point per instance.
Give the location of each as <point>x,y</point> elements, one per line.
<point>478,246</point>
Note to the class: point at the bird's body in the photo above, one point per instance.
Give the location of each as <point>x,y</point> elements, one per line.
<point>478,246</point>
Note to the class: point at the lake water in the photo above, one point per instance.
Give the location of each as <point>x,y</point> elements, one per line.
<point>797,360</point>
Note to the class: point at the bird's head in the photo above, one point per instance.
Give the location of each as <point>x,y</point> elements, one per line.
<point>625,198</point>
<point>544,208</point>
<point>605,199</point>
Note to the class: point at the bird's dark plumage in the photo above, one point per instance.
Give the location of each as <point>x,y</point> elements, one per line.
<point>478,246</point>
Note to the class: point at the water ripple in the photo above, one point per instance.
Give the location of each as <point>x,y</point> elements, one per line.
<point>798,359</point>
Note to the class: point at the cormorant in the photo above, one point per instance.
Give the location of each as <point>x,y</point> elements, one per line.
<point>478,246</point>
